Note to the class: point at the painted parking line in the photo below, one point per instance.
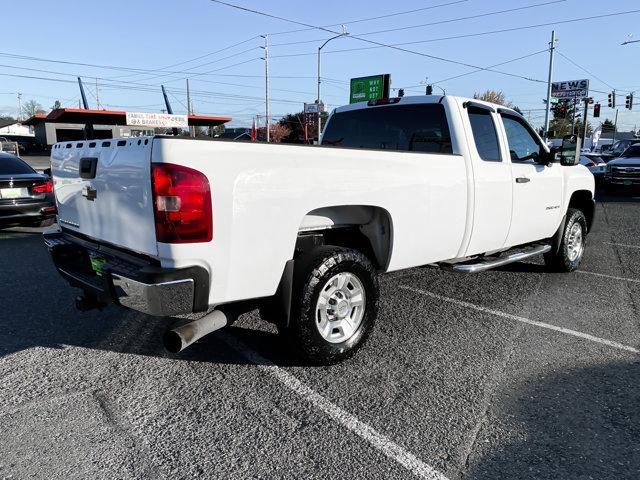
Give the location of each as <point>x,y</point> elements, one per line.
<point>344,418</point>
<point>625,245</point>
<point>612,277</point>
<point>548,326</point>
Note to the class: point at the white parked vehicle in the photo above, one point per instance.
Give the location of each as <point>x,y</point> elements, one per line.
<point>171,226</point>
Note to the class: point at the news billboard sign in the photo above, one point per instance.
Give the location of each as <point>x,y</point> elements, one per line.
<point>570,89</point>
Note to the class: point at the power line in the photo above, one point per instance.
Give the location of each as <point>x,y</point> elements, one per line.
<point>439,22</point>
<point>229,47</point>
<point>455,37</point>
<point>379,44</point>
<point>351,22</point>
<point>451,20</point>
<point>492,66</point>
<point>113,83</point>
<point>190,70</point>
<point>91,65</point>
<point>178,100</point>
<point>195,94</point>
<point>587,71</point>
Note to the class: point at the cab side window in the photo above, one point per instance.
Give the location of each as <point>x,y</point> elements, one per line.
<point>523,145</point>
<point>484,134</point>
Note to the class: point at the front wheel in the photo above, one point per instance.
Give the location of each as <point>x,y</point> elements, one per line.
<point>334,305</point>
<point>572,244</point>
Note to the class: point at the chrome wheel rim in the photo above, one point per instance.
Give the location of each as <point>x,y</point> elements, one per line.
<point>340,307</point>
<point>575,242</point>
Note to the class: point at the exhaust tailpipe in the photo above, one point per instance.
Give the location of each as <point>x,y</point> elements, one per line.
<point>179,338</point>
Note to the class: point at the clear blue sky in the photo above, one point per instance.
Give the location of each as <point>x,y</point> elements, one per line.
<point>156,34</point>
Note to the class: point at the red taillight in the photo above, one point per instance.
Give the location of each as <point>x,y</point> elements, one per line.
<point>49,210</point>
<point>181,204</point>
<point>40,188</point>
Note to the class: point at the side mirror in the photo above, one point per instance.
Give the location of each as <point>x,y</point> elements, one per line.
<point>547,158</point>
<point>47,172</point>
<point>570,150</point>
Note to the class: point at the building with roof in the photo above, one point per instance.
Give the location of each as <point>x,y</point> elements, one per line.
<point>67,124</point>
<point>10,127</point>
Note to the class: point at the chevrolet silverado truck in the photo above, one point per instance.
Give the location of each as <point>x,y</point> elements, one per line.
<point>171,226</point>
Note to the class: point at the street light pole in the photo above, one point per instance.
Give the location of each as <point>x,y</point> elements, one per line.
<point>266,86</point>
<point>552,46</point>
<point>343,34</point>
<point>266,83</point>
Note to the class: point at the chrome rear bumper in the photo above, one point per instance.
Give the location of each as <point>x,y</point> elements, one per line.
<point>128,280</point>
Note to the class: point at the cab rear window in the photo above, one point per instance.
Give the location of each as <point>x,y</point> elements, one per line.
<point>416,128</point>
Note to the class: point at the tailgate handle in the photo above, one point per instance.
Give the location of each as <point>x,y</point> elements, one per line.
<point>88,166</point>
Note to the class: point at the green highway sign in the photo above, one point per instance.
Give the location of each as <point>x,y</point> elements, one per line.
<point>374,87</point>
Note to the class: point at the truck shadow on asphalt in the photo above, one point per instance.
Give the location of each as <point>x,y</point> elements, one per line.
<point>578,424</point>
<point>38,311</point>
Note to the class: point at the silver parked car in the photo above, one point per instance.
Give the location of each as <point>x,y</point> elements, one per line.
<point>595,164</point>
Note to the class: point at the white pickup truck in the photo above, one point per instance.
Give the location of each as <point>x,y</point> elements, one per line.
<point>171,226</point>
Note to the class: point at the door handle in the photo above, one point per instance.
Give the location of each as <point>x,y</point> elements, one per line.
<point>522,179</point>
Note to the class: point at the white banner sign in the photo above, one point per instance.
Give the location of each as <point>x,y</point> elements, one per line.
<point>571,89</point>
<point>313,107</point>
<point>161,120</point>
<point>595,136</point>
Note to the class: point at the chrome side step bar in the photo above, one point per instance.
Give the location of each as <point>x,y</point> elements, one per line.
<point>499,261</point>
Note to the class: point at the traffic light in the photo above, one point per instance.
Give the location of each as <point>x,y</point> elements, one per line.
<point>429,90</point>
<point>612,100</point>
<point>561,110</point>
<point>596,110</point>
<point>629,101</point>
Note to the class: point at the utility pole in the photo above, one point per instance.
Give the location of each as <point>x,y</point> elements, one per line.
<point>266,83</point>
<point>584,119</point>
<point>552,47</point>
<point>573,115</point>
<point>615,127</point>
<point>192,130</point>
<point>343,34</point>
<point>20,106</point>
<point>97,94</point>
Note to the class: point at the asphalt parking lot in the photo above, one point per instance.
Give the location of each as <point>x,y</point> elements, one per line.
<point>512,373</point>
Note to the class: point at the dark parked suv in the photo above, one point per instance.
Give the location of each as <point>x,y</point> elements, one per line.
<point>624,170</point>
<point>26,196</point>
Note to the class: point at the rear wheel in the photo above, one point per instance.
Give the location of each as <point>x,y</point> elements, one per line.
<point>334,304</point>
<point>572,244</point>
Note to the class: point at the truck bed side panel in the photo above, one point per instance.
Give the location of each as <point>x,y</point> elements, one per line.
<point>261,194</point>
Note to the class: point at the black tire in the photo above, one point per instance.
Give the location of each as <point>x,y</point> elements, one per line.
<point>562,261</point>
<point>311,273</point>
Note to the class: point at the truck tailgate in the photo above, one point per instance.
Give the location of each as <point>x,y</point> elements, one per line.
<point>103,190</point>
